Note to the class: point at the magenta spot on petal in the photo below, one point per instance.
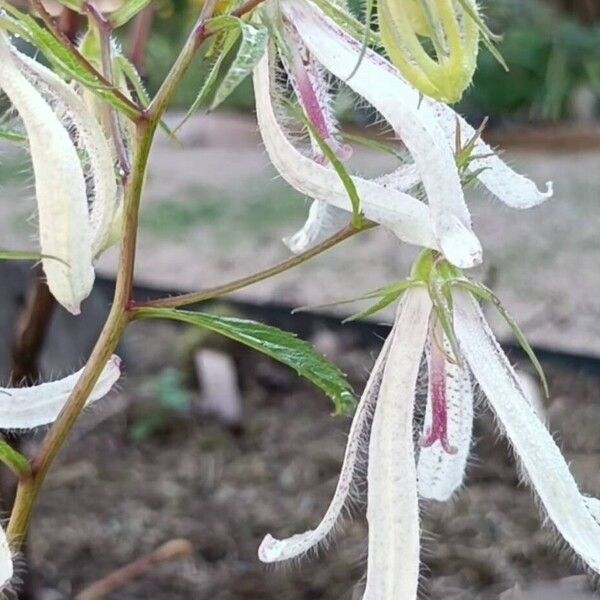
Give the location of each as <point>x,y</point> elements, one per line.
<point>438,432</point>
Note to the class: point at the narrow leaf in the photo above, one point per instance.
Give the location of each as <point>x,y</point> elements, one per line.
<point>339,168</point>
<point>281,345</point>
<point>12,136</point>
<point>14,460</point>
<point>484,293</point>
<point>253,44</point>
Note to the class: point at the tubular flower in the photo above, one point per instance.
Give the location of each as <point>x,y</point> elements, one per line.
<point>314,49</point>
<point>75,180</point>
<point>452,332</point>
<point>451,27</point>
<point>26,408</point>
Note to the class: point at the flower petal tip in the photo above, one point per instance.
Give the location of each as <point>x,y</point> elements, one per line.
<point>458,243</point>
<point>270,549</point>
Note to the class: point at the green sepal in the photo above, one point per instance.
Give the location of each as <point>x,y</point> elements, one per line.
<point>481,292</point>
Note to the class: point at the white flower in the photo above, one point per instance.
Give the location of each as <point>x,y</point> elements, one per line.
<point>398,473</point>
<point>427,128</point>
<point>29,407</point>
<point>75,181</point>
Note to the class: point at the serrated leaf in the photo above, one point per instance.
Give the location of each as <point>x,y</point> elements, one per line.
<point>252,46</point>
<point>283,346</point>
<point>240,43</point>
<point>482,292</point>
<point>127,11</point>
<point>227,41</point>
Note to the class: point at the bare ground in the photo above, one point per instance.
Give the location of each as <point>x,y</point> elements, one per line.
<point>112,499</point>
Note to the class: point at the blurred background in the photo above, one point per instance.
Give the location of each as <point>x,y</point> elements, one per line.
<point>208,442</point>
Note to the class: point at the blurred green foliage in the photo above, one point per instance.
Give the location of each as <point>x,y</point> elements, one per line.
<point>549,56</point>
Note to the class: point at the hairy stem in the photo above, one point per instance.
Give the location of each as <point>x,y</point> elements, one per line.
<point>29,487</point>
<point>238,284</point>
<point>120,313</point>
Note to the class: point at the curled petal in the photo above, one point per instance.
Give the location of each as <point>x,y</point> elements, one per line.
<point>28,407</point>
<point>92,140</point>
<point>274,550</point>
<point>543,462</point>
<point>511,188</point>
<point>440,471</point>
<point>400,104</point>
<point>65,231</point>
<point>403,214</point>
<point>393,508</point>
<point>323,221</point>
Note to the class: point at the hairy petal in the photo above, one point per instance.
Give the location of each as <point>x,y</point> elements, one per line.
<point>91,139</point>
<point>543,462</point>
<point>403,214</point>
<point>28,407</point>
<point>274,550</point>
<point>65,231</point>
<point>393,508</point>
<point>511,188</point>
<point>378,82</point>
<point>323,221</point>
<point>441,472</point>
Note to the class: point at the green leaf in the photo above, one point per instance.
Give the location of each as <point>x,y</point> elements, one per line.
<point>253,44</point>
<point>388,296</point>
<point>338,166</point>
<point>10,255</point>
<point>238,43</point>
<point>12,136</point>
<point>442,306</point>
<point>366,37</point>
<point>63,59</point>
<point>484,293</point>
<point>14,460</point>
<point>375,145</point>
<point>226,41</point>
<point>280,345</point>
<point>128,10</point>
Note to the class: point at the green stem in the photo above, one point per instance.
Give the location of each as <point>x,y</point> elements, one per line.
<point>29,487</point>
<point>238,284</point>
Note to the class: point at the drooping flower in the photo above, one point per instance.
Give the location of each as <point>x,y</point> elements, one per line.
<point>30,407</point>
<point>75,181</point>
<point>398,472</point>
<point>314,48</point>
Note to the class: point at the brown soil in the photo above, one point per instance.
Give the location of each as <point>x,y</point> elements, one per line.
<point>111,500</point>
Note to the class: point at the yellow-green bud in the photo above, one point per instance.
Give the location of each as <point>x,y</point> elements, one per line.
<point>434,43</point>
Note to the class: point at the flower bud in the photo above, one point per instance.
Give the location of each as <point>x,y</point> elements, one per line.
<point>434,43</point>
